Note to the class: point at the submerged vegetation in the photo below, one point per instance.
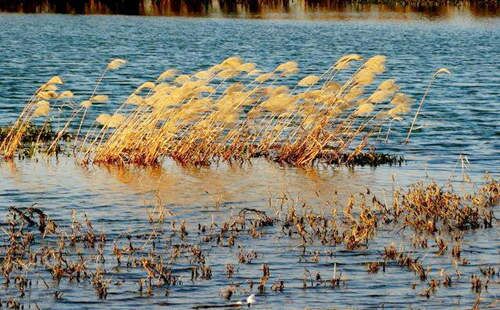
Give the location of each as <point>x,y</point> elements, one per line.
<point>230,112</point>
<point>42,254</point>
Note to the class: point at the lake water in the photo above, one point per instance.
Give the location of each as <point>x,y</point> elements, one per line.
<point>460,117</point>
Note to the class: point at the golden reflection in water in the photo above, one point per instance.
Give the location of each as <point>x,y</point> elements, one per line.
<point>232,184</point>
<point>250,185</point>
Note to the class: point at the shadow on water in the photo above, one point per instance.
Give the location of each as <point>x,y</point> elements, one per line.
<point>252,8</point>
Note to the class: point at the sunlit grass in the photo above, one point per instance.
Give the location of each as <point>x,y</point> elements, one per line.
<point>231,111</point>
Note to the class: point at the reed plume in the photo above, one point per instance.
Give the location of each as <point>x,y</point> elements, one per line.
<point>421,104</point>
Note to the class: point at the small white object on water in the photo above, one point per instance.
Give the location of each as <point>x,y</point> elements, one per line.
<point>251,300</point>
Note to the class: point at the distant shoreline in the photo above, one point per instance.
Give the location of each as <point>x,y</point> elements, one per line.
<point>253,8</point>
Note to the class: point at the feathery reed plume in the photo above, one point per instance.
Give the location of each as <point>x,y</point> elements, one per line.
<point>67,94</point>
<point>115,64</point>
<point>264,77</point>
<point>42,108</point>
<point>286,66</point>
<point>103,119</point>
<point>86,104</point>
<point>99,99</point>
<point>420,105</point>
<point>55,80</point>
<point>168,74</point>
<point>343,62</point>
<point>309,80</point>
<point>364,109</point>
<point>145,85</point>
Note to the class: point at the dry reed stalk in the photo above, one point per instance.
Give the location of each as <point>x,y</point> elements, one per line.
<point>421,104</point>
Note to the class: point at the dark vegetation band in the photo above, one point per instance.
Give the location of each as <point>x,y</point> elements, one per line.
<point>206,7</point>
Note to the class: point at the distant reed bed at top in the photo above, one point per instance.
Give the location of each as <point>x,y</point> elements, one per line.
<point>245,7</point>
<point>231,111</point>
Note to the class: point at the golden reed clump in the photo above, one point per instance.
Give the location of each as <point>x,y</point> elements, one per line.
<point>230,111</point>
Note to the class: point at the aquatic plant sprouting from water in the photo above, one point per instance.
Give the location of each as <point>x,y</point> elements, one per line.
<point>234,111</point>
<point>162,256</point>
